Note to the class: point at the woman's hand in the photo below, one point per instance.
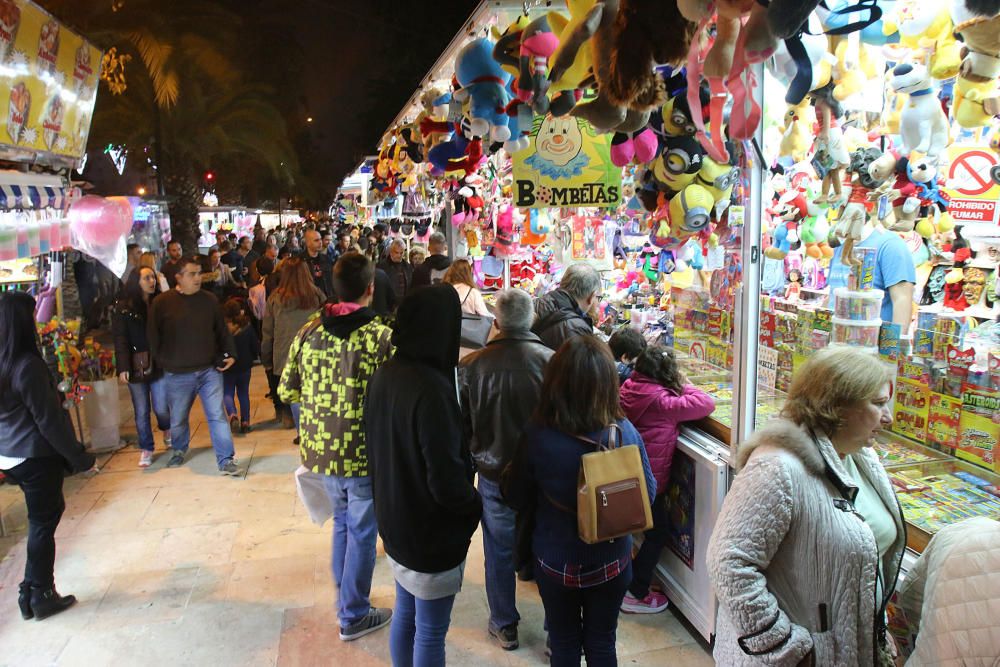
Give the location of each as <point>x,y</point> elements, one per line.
<point>123,377</point>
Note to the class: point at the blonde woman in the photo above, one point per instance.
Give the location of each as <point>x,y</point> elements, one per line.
<point>459,276</point>
<point>807,548</point>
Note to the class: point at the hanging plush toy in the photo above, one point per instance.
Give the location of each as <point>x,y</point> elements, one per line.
<point>831,157</point>
<point>977,98</point>
<point>796,133</point>
<point>571,64</point>
<point>484,83</point>
<point>925,33</point>
<point>923,126</point>
<point>538,43</point>
<point>809,70</point>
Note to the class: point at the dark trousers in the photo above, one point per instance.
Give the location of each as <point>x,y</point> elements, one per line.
<point>41,480</point>
<point>272,386</point>
<point>236,384</point>
<point>582,617</point>
<point>653,542</point>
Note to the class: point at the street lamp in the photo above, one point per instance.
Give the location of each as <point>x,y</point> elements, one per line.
<point>141,191</point>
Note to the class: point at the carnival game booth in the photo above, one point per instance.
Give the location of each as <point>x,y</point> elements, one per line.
<point>835,182</point>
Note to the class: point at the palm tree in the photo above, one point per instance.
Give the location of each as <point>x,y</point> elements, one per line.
<point>184,96</point>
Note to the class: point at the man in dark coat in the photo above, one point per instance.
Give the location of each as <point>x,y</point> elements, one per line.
<point>562,313</point>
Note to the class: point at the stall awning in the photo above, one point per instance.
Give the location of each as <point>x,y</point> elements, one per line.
<point>30,196</point>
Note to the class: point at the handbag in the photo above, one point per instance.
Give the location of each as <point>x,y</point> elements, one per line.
<point>142,367</point>
<point>312,493</point>
<point>475,328</point>
<point>612,500</point>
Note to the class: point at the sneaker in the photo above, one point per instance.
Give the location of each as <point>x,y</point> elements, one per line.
<point>653,603</point>
<point>230,468</point>
<point>506,636</point>
<point>296,440</point>
<point>377,618</point>
<point>166,439</point>
<point>234,424</point>
<point>176,460</point>
<point>145,458</point>
<point>245,428</point>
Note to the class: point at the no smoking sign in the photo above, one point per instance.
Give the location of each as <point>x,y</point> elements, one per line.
<point>973,184</point>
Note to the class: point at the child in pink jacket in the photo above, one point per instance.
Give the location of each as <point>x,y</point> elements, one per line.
<point>656,399</point>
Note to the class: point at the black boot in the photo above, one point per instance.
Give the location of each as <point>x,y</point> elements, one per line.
<point>24,600</point>
<point>47,602</point>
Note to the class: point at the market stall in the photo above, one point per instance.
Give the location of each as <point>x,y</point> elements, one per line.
<point>841,189</point>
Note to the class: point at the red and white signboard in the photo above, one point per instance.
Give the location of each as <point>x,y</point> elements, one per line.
<point>972,184</point>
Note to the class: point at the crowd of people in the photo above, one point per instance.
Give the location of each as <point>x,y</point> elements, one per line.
<point>420,439</point>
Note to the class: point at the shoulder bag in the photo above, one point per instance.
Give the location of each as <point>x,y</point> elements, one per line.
<point>475,328</point>
<point>142,367</point>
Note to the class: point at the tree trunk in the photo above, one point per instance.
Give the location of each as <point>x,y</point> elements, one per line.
<point>70,292</point>
<point>183,197</point>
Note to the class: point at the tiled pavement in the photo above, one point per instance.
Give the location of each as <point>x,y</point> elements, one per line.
<point>185,567</point>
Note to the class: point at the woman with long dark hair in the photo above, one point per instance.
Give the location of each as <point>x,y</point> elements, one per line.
<point>288,308</point>
<point>135,363</point>
<point>582,585</point>
<point>37,449</point>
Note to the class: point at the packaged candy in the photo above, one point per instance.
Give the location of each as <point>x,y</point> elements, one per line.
<point>858,333</point>
<point>857,305</point>
<point>862,276</point>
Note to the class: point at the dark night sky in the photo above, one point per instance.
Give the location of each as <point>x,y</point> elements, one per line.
<point>361,61</point>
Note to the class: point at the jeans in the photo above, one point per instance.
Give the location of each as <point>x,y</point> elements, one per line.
<point>144,393</point>
<point>653,542</point>
<point>207,385</point>
<point>498,549</point>
<point>354,536</point>
<point>416,637</point>
<point>41,481</point>
<point>296,411</point>
<point>237,384</point>
<point>586,617</point>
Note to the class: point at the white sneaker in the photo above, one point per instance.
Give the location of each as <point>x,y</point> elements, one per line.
<point>145,458</point>
<point>166,439</point>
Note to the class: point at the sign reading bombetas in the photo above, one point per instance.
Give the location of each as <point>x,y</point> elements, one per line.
<point>566,164</point>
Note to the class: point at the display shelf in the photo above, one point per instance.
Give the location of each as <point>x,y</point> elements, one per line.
<point>938,493</point>
<point>895,452</point>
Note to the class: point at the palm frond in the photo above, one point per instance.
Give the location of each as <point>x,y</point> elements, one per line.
<point>155,54</point>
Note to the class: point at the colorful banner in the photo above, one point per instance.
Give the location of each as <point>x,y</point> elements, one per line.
<point>567,163</point>
<point>910,412</point>
<point>979,425</point>
<point>48,79</point>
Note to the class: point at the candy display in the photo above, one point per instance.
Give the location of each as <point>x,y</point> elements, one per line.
<point>859,333</point>
<point>932,500</point>
<point>893,453</point>
<point>857,305</point>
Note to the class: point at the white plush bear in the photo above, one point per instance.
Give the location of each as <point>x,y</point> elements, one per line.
<point>922,124</point>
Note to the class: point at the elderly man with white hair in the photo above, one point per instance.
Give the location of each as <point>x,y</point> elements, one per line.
<point>500,386</point>
<point>400,271</point>
<point>562,313</point>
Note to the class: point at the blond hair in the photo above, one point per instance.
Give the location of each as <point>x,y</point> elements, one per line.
<point>148,260</point>
<point>833,379</point>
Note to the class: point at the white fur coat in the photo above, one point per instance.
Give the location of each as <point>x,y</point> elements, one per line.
<point>793,567</point>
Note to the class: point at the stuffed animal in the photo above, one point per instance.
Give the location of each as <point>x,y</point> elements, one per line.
<point>977,98</point>
<point>538,43</point>
<point>796,132</point>
<point>678,163</point>
<point>484,84</point>
<point>842,13</point>
<point>922,125</point>
<point>571,64</point>
<point>848,76</point>
<point>640,146</point>
<point>717,179</point>
<point>646,33</point>
<point>925,31</point>
<point>803,74</point>
<point>830,152</point>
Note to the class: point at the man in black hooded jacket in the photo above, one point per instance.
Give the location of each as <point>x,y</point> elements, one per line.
<point>425,504</point>
<point>432,270</point>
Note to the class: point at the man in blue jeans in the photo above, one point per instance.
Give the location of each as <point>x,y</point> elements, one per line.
<point>189,340</point>
<point>500,386</point>
<point>329,365</point>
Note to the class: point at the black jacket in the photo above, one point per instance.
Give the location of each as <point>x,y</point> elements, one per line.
<point>384,300</point>
<point>500,386</point>
<point>400,276</point>
<point>128,326</point>
<point>430,272</point>
<point>559,319</point>
<point>425,504</point>
<point>321,269</point>
<point>33,423</point>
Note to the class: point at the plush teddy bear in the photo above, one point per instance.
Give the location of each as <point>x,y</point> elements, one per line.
<point>923,126</point>
<point>977,98</point>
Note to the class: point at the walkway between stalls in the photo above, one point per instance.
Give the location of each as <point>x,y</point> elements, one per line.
<point>185,567</point>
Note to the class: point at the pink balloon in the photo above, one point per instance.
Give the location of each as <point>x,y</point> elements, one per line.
<point>99,222</point>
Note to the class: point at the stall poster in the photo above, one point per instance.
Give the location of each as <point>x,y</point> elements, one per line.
<point>48,86</point>
<point>767,366</point>
<point>943,421</point>
<point>589,241</point>
<point>979,426</point>
<point>911,409</point>
<point>567,163</point>
<point>680,507</point>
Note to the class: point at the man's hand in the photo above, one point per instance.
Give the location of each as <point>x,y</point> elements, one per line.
<point>123,377</point>
<point>226,365</point>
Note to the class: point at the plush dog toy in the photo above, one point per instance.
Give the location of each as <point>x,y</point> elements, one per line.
<point>922,124</point>
<point>484,82</point>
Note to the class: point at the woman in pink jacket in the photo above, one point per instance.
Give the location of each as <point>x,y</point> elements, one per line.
<point>656,399</point>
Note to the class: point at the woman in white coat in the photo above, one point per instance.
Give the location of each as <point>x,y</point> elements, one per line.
<point>807,548</point>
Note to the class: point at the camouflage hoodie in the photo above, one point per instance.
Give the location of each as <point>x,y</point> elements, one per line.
<point>329,365</point>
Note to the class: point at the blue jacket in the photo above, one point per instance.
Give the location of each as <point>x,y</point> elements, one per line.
<point>550,470</point>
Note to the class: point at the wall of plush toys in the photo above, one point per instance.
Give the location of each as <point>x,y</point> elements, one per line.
<point>864,102</point>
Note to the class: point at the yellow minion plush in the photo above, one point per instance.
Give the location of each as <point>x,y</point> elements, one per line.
<point>691,210</point>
